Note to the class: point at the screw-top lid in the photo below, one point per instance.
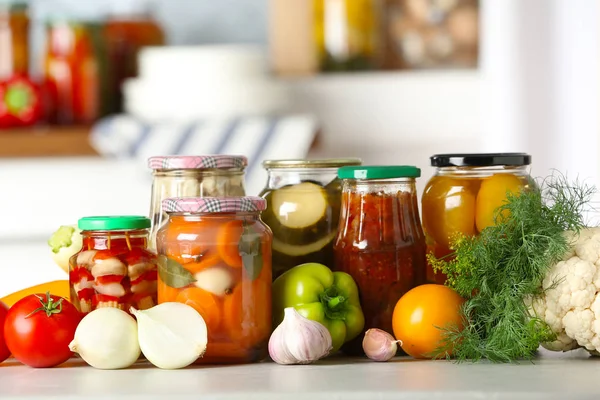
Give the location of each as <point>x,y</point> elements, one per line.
<point>114,223</point>
<point>480,160</point>
<point>214,204</point>
<point>379,172</point>
<point>212,161</point>
<point>322,163</point>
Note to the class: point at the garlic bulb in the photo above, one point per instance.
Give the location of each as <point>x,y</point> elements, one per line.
<point>215,280</point>
<point>171,335</point>
<point>379,345</point>
<point>299,340</point>
<point>107,338</point>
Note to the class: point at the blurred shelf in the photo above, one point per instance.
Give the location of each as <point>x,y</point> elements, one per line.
<point>46,142</point>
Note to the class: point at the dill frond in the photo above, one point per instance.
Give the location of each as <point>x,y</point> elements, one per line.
<point>496,271</point>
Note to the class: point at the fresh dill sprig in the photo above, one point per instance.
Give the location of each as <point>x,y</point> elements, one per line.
<point>496,271</point>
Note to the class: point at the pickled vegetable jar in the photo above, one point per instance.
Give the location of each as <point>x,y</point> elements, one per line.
<point>463,195</point>
<point>215,255</point>
<point>303,209</point>
<point>380,242</point>
<point>193,176</point>
<point>114,267</point>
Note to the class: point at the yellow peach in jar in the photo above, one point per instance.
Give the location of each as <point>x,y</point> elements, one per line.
<point>492,195</point>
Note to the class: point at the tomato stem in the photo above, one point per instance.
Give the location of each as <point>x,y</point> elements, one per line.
<point>48,305</point>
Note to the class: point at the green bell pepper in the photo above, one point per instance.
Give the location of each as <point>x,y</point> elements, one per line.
<point>321,295</point>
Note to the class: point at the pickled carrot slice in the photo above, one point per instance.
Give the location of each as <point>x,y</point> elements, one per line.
<point>205,303</point>
<point>209,260</point>
<point>247,312</point>
<point>165,292</point>
<point>228,238</point>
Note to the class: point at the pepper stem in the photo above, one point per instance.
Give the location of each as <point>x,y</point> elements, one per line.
<point>48,305</point>
<point>334,303</point>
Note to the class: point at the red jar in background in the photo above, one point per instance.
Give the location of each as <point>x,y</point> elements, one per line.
<point>129,28</point>
<point>380,242</point>
<point>14,40</point>
<point>114,267</point>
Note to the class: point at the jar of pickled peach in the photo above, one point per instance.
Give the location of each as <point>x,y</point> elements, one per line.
<point>215,255</point>
<point>114,267</point>
<point>464,194</point>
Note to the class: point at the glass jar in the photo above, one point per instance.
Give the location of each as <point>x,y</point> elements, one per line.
<point>215,255</point>
<point>114,267</point>
<point>463,195</point>
<point>193,176</point>
<point>14,39</point>
<point>380,242</point>
<point>303,209</point>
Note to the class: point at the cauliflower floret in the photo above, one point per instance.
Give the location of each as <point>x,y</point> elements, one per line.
<point>571,306</point>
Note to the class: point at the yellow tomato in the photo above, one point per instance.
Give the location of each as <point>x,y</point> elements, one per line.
<point>492,195</point>
<point>448,206</point>
<point>420,312</point>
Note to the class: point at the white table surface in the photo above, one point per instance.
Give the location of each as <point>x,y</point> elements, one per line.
<point>570,376</point>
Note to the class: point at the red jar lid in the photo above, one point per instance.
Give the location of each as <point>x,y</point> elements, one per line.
<point>213,161</point>
<point>214,204</point>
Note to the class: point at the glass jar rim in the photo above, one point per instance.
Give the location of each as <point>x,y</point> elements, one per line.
<point>310,164</point>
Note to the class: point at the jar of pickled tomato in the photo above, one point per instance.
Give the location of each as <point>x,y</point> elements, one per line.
<point>463,195</point>
<point>114,268</point>
<point>193,176</point>
<point>380,242</point>
<point>215,255</point>
<point>304,198</point>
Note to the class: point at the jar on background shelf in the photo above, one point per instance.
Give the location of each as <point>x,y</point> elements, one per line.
<point>303,209</point>
<point>215,255</point>
<point>193,176</point>
<point>380,242</point>
<point>14,39</point>
<point>463,195</point>
<point>129,27</point>
<point>114,267</point>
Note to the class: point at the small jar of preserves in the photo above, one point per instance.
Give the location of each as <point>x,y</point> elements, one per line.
<point>114,267</point>
<point>463,195</point>
<point>380,242</point>
<point>193,176</point>
<point>215,255</point>
<point>303,210</point>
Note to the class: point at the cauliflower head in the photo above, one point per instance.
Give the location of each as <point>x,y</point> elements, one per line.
<point>570,304</point>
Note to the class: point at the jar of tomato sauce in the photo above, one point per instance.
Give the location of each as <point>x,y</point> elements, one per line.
<point>380,242</point>
<point>193,176</point>
<point>215,255</point>
<point>114,268</point>
<point>463,195</point>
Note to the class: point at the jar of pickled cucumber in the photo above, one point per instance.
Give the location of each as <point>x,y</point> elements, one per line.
<point>193,176</point>
<point>464,194</point>
<point>303,210</point>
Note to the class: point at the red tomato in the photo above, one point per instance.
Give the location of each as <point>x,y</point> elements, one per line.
<point>4,352</point>
<point>39,328</point>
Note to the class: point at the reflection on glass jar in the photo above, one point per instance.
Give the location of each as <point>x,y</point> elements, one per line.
<point>380,241</point>
<point>463,195</point>
<point>114,267</point>
<point>193,176</point>
<point>215,256</point>
<point>303,209</point>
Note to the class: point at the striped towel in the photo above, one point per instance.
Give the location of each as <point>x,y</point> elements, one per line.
<point>258,138</point>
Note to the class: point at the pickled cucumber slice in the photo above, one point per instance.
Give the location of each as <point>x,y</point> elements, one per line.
<point>300,206</point>
<point>295,251</point>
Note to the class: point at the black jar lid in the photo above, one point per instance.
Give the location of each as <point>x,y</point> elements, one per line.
<point>480,160</point>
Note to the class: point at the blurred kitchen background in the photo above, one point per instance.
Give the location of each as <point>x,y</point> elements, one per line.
<point>91,88</point>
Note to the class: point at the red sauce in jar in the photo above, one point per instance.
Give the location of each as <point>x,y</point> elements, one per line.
<point>381,244</point>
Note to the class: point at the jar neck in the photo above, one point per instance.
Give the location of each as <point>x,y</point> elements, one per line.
<point>521,170</point>
<point>380,186</point>
<point>115,240</point>
<point>194,173</point>
<point>279,177</point>
<point>195,217</point>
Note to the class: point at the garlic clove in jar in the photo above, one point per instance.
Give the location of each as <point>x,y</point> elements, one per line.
<point>379,345</point>
<point>299,340</point>
<point>215,280</point>
<point>171,335</point>
<point>107,338</point>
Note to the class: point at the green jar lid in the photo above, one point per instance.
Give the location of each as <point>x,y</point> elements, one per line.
<point>114,223</point>
<point>379,172</point>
